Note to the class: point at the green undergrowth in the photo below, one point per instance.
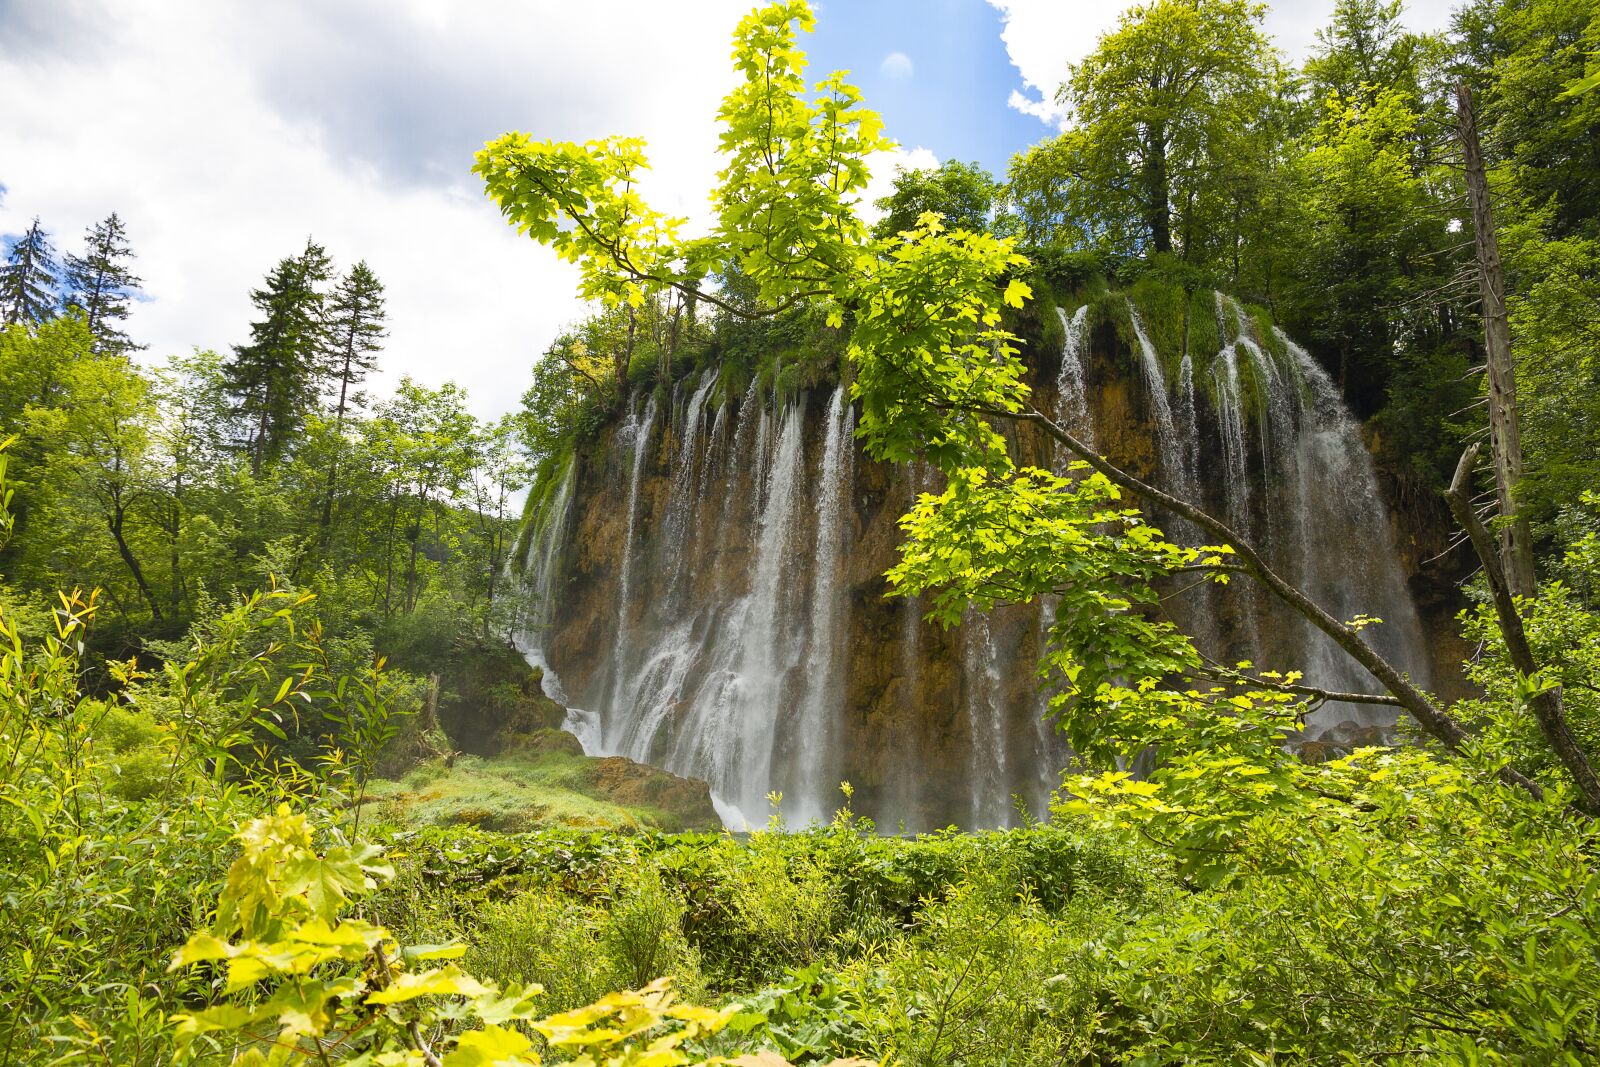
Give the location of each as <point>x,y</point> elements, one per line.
<point>1065,943</point>
<point>509,793</point>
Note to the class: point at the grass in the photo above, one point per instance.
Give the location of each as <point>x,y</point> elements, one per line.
<point>509,793</point>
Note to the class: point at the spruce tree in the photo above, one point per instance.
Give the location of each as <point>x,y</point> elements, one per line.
<point>355,332</point>
<point>100,284</point>
<point>28,279</point>
<point>272,382</point>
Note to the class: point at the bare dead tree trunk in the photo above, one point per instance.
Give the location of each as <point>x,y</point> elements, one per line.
<point>1516,543</point>
<point>1546,704</point>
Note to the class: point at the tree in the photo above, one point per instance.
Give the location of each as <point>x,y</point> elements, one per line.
<point>964,193</point>
<point>1364,49</point>
<point>937,377</point>
<point>1520,57</point>
<point>99,284</point>
<point>99,461</point>
<point>355,333</point>
<point>425,436</point>
<point>1159,105</point>
<point>497,472</point>
<point>1370,220</point>
<point>355,325</point>
<point>187,450</point>
<point>28,279</point>
<point>272,381</point>
<point>33,362</point>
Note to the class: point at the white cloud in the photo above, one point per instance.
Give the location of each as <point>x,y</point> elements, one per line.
<point>1045,37</point>
<point>225,134</point>
<point>897,66</point>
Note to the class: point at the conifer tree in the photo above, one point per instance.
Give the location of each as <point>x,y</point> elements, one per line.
<point>28,279</point>
<point>355,324</point>
<point>100,284</point>
<point>272,382</point>
<point>355,332</point>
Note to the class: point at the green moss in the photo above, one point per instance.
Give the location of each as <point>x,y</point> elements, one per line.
<point>508,794</point>
<point>551,472</point>
<point>1052,335</point>
<point>1204,339</point>
<point>1161,307</point>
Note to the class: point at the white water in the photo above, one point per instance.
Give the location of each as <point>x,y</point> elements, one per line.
<point>734,662</point>
<point>817,763</point>
<point>1072,385</point>
<point>986,717</point>
<point>1342,551</point>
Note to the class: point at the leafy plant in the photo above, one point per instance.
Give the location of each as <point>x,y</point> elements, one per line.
<point>306,985</point>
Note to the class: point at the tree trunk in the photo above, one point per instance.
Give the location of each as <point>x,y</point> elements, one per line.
<point>1545,704</point>
<point>114,521</point>
<point>1158,209</point>
<point>1516,543</point>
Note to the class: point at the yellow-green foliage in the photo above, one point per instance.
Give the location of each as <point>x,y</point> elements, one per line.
<point>301,978</point>
<point>577,949</point>
<point>137,753</point>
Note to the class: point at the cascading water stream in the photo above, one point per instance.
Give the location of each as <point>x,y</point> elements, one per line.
<point>769,642</point>
<point>986,717</point>
<point>1072,385</point>
<point>1235,445</point>
<point>748,650</point>
<point>818,759</point>
<point>681,504</point>
<point>1341,552</point>
<point>1176,474</point>
<point>641,448</point>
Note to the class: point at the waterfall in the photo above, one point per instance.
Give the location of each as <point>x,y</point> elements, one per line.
<point>986,716</point>
<point>1230,424</point>
<point>539,573</point>
<point>685,495</point>
<point>1155,384</point>
<point>1277,409</point>
<point>1342,554</point>
<point>736,631</point>
<point>818,760</point>
<point>768,643</point>
<point>1187,421</point>
<point>1177,476</point>
<point>1072,387</point>
<point>640,438</point>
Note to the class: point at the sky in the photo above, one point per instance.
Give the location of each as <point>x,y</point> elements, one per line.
<point>226,132</point>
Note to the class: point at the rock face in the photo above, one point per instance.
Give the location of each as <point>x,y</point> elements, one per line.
<point>706,578</point>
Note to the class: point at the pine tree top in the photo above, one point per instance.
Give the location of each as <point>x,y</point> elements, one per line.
<point>101,285</point>
<point>28,279</point>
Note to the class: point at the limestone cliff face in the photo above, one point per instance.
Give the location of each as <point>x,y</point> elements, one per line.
<point>707,581</point>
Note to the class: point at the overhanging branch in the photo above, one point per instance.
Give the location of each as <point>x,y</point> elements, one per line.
<point>1434,721</point>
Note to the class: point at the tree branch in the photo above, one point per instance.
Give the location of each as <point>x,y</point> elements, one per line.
<point>1434,721</point>
<point>1545,704</point>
